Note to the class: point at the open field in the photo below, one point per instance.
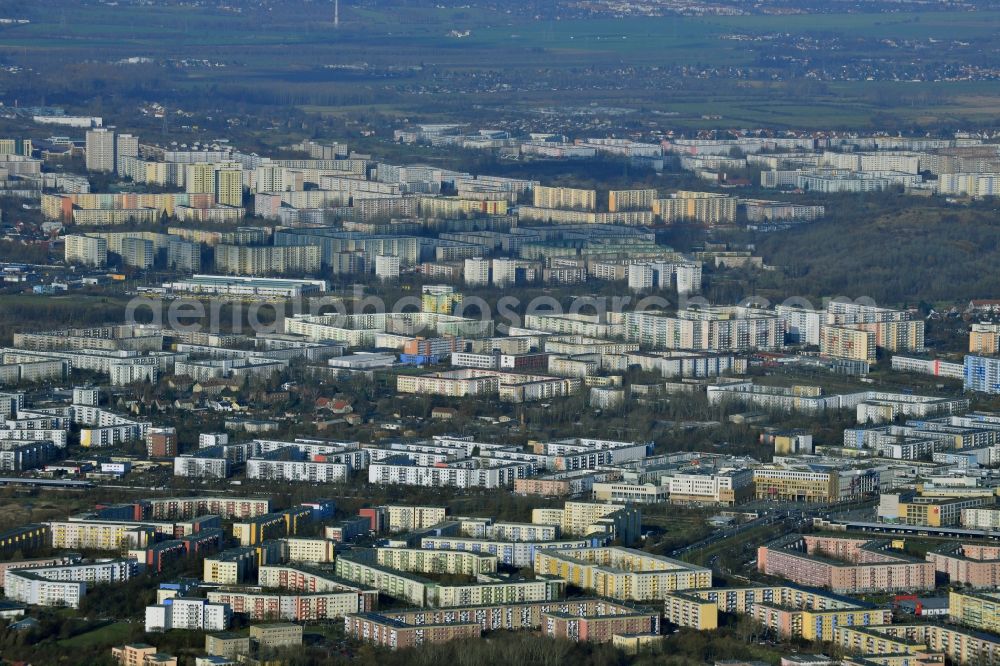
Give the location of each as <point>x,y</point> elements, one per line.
<point>18,507</point>
<point>402,62</point>
<point>252,39</point>
<point>674,34</point>
<point>111,634</point>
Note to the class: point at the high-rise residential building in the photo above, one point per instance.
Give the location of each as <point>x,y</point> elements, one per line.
<point>270,178</point>
<point>710,328</point>
<point>16,147</point>
<point>439,299</point>
<point>984,339</point>
<point>101,150</point>
<point>969,184</point>
<point>847,342</point>
<point>504,272</point>
<point>477,272</point>
<point>126,146</point>
<point>893,330</point>
<point>630,200</point>
<point>86,250</point>
<point>386,267</point>
<point>137,252</point>
<point>86,395</point>
<point>228,184</point>
<point>641,274</point>
<point>184,255</point>
<point>564,197</point>
<point>704,207</point>
<point>982,373</point>
<point>619,521</point>
<point>161,442</point>
<point>802,325</point>
<point>200,178</point>
<point>843,312</point>
<point>896,336</point>
<point>642,277</point>
<point>265,260</point>
<point>687,277</point>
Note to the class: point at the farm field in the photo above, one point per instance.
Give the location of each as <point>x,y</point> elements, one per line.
<point>702,71</point>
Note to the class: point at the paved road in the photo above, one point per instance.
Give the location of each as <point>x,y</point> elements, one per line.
<point>728,533</point>
<point>796,519</point>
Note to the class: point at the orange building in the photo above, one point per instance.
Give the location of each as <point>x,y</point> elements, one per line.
<point>974,565</point>
<point>864,565</point>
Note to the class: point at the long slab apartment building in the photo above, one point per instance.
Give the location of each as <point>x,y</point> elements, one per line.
<point>845,566</point>
<point>709,329</point>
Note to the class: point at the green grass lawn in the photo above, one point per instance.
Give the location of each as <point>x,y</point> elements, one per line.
<point>115,633</point>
